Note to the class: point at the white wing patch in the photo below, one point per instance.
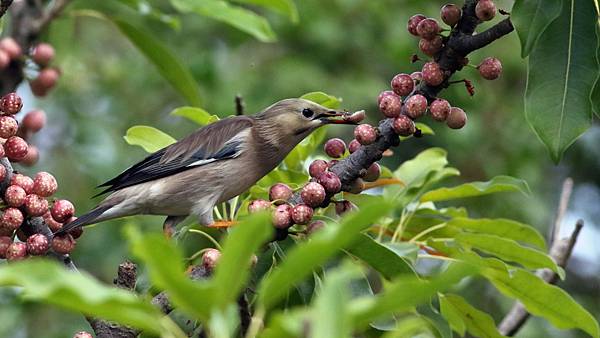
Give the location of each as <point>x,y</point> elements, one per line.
<point>238,141</point>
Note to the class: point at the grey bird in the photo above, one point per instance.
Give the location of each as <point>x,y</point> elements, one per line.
<point>212,165</point>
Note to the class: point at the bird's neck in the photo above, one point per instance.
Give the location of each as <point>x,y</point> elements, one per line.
<point>274,146</point>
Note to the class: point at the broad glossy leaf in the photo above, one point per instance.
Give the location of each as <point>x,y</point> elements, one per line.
<point>463,315</point>
<point>414,172</point>
<point>149,138</point>
<point>326,100</point>
<point>497,184</point>
<point>595,97</point>
<point>544,300</point>
<point>196,115</point>
<point>238,17</point>
<point>389,263</point>
<point>504,228</point>
<point>562,72</point>
<point>286,7</point>
<point>531,17</point>
<point>48,282</point>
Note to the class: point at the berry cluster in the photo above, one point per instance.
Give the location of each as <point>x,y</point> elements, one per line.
<point>41,55</point>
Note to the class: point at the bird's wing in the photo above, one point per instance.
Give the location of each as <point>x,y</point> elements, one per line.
<point>218,141</point>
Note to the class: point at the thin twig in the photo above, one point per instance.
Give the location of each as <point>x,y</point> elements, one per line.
<point>239,105</point>
<point>563,204</point>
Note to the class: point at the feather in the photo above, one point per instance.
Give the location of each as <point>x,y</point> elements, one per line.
<point>86,219</point>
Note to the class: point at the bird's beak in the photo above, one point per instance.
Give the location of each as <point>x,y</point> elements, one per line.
<point>334,117</point>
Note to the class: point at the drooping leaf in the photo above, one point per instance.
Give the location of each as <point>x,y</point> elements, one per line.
<point>286,7</point>
<point>379,257</point>
<point>595,97</point>
<point>463,315</point>
<point>326,100</point>
<point>235,16</point>
<point>149,138</point>
<point>562,72</point>
<point>531,18</point>
<point>196,115</point>
<point>48,282</point>
<point>497,184</point>
<point>504,228</point>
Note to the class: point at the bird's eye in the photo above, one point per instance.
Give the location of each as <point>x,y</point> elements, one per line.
<point>308,113</point>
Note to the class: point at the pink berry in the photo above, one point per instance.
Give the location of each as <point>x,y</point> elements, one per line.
<point>62,210</point>
<point>373,173</point>
<point>279,193</point>
<point>37,244</point>
<point>352,146</point>
<point>258,205</point>
<point>343,207</point>
<point>402,84</point>
<point>330,182</point>
<point>431,47</point>
<point>210,258</point>
<point>11,47</point>
<point>416,106</point>
<point>2,172</point>
<point>83,334</point>
<point>22,181</point>
<point>11,103</point>
<point>485,10</point>
<point>16,251</point>
<point>44,184</point>
<point>317,168</point>
<point>313,194</point>
<point>32,157</point>
<point>413,22</point>
<point>355,117</point>
<point>384,94</point>
<point>36,205</point>
<point>365,134</point>
<point>45,81</point>
<point>432,74</point>
<point>34,120</point>
<point>490,68</point>
<point>5,242</point>
<point>12,218</point>
<point>457,118</point>
<point>301,214</point>
<point>335,148</point>
<point>403,125</point>
<point>314,226</point>
<point>14,196</point>
<point>51,222</point>
<point>391,105</point>
<point>63,244</point>
<point>42,54</point>
<point>450,14</point>
<point>15,148</point>
<point>8,126</point>
<point>439,109</point>
<point>428,28</point>
<point>282,216</point>
<point>417,76</point>
<point>4,59</point>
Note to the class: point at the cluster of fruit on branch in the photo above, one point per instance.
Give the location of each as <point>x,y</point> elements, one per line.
<point>37,61</point>
<point>25,198</point>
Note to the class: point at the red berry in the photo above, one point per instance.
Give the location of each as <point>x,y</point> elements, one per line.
<point>210,258</point>
<point>391,105</point>
<point>450,14</point>
<point>44,184</point>
<point>8,126</point>
<point>301,214</point>
<point>34,120</point>
<point>343,207</point>
<point>279,193</point>
<point>384,94</point>
<point>15,148</point>
<point>314,226</point>
<point>62,210</point>
<point>413,22</point>
<point>16,251</point>
<point>457,118</point>
<point>282,216</point>
<point>5,241</point>
<point>335,148</point>
<point>428,28</point>
<point>258,205</point>
<point>83,334</point>
<point>432,74</point>
<point>11,104</point>
<point>11,47</point>
<point>317,168</point>
<point>365,134</point>
<point>403,125</point>
<point>373,173</point>
<point>330,182</point>
<point>313,194</point>
<point>439,109</point>
<point>14,196</point>
<point>33,155</point>
<point>416,106</point>
<point>37,244</point>
<point>51,222</point>
<point>12,218</point>
<point>22,181</point>
<point>352,146</point>
<point>402,84</point>
<point>63,244</point>
<point>431,47</point>
<point>417,76</point>
<point>490,68</point>
<point>485,10</point>
<point>4,59</point>
<point>36,205</point>
<point>42,54</point>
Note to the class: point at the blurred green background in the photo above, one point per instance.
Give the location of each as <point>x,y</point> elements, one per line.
<point>347,48</point>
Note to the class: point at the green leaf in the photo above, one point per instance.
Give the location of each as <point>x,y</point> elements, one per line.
<point>412,326</point>
<point>497,184</point>
<point>595,97</point>
<point>531,18</point>
<point>504,228</point>
<point>48,282</point>
<point>416,172</point>
<point>461,315</point>
<point>196,115</point>
<point>238,17</point>
<point>544,300</point>
<point>149,138</point>
<point>389,263</point>
<point>305,257</point>
<point>326,100</point>
<point>508,250</point>
<point>286,7</point>
<point>562,72</point>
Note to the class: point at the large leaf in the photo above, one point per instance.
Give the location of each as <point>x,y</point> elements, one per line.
<point>380,258</point>
<point>461,315</point>
<point>531,17</point>
<point>562,72</point>
<point>238,17</point>
<point>286,7</point>
<point>504,228</point>
<point>497,184</point>
<point>149,138</point>
<point>326,100</point>
<point>48,282</point>
<point>595,98</point>
<point>196,115</point>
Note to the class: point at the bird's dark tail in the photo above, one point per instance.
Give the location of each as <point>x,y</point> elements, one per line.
<point>83,220</point>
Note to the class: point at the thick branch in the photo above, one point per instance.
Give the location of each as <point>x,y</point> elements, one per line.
<point>484,38</point>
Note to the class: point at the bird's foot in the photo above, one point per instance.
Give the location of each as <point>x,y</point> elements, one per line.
<point>223,224</point>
